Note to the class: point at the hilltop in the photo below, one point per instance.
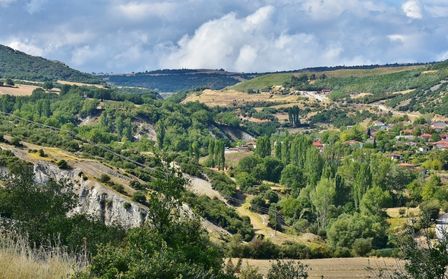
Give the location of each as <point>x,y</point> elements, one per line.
<point>179,80</point>
<point>19,65</point>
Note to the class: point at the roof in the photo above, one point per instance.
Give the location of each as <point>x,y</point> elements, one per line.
<point>439,125</point>
<point>426,136</point>
<point>318,144</point>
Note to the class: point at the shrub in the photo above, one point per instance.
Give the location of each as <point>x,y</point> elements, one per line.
<point>105,178</point>
<point>362,246</point>
<point>139,197</point>
<point>288,270</point>
<point>63,165</point>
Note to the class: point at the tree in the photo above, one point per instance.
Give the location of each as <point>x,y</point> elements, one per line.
<point>274,217</point>
<point>9,82</point>
<point>292,177</point>
<point>170,245</point>
<point>313,166</point>
<point>263,146</point>
<point>374,200</point>
<point>293,115</point>
<point>211,152</point>
<point>48,85</point>
<point>322,199</point>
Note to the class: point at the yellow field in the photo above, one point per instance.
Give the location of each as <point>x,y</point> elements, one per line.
<point>18,90</point>
<point>338,268</point>
<point>79,84</point>
<point>226,98</point>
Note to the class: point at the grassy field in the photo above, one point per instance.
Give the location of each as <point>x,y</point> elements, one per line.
<point>279,78</point>
<point>63,82</point>
<point>227,98</point>
<point>338,268</point>
<point>18,90</point>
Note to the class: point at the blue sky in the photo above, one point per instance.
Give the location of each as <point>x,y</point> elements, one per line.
<point>238,35</point>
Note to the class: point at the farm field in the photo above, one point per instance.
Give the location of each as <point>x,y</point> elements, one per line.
<point>226,98</point>
<point>338,268</point>
<point>18,90</point>
<point>63,82</point>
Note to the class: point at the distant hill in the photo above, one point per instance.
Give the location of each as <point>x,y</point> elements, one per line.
<point>179,80</point>
<point>19,65</point>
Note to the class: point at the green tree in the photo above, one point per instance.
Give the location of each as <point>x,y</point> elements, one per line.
<point>292,177</point>
<point>322,199</point>
<point>313,166</point>
<point>263,146</point>
<point>374,200</point>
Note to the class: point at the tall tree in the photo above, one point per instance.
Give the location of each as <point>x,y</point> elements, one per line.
<point>263,146</point>
<point>322,199</point>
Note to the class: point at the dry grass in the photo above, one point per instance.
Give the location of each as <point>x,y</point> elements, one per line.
<point>226,98</point>
<point>19,260</point>
<point>338,267</point>
<point>18,90</point>
<point>79,84</point>
<point>233,158</point>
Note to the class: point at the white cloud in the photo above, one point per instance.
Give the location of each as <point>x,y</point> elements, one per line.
<point>442,56</point>
<point>412,9</point>
<point>25,46</point>
<point>142,10</point>
<point>250,44</point>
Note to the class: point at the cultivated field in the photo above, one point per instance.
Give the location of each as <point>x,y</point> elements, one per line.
<point>338,268</point>
<point>226,98</point>
<point>80,84</point>
<point>18,90</point>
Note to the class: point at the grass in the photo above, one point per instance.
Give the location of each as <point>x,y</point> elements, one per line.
<point>279,78</point>
<point>338,267</point>
<point>229,97</point>
<point>18,90</point>
<point>19,260</point>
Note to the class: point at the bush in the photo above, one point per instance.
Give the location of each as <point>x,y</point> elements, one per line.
<point>63,165</point>
<point>362,246</point>
<point>139,197</point>
<point>105,178</point>
<point>288,270</point>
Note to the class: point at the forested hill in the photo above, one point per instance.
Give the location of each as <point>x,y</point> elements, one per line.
<point>18,65</point>
<point>179,80</point>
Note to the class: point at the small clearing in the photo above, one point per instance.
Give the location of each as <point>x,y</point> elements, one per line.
<point>18,90</point>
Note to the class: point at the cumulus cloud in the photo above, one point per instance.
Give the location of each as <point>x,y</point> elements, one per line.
<point>258,35</point>
<point>141,10</point>
<point>25,46</point>
<point>412,9</point>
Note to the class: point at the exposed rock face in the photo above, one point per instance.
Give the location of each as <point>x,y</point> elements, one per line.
<point>94,199</point>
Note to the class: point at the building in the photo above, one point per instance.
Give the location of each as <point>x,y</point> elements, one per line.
<point>442,144</point>
<point>439,126</point>
<point>426,136</point>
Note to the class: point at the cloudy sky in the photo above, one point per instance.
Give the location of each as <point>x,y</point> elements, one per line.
<point>238,35</point>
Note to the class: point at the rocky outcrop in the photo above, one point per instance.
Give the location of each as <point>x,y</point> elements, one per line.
<point>95,199</point>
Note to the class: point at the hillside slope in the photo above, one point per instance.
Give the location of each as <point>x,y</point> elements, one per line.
<point>19,65</point>
<point>178,80</point>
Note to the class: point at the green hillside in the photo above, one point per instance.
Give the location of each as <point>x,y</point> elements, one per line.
<point>18,65</point>
<point>410,87</point>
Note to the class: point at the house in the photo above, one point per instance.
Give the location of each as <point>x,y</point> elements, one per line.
<point>318,144</point>
<point>424,149</point>
<point>444,136</point>
<point>405,137</point>
<point>426,136</point>
<point>442,144</point>
<point>439,126</point>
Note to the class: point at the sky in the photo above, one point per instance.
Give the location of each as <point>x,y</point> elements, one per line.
<point>238,35</point>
